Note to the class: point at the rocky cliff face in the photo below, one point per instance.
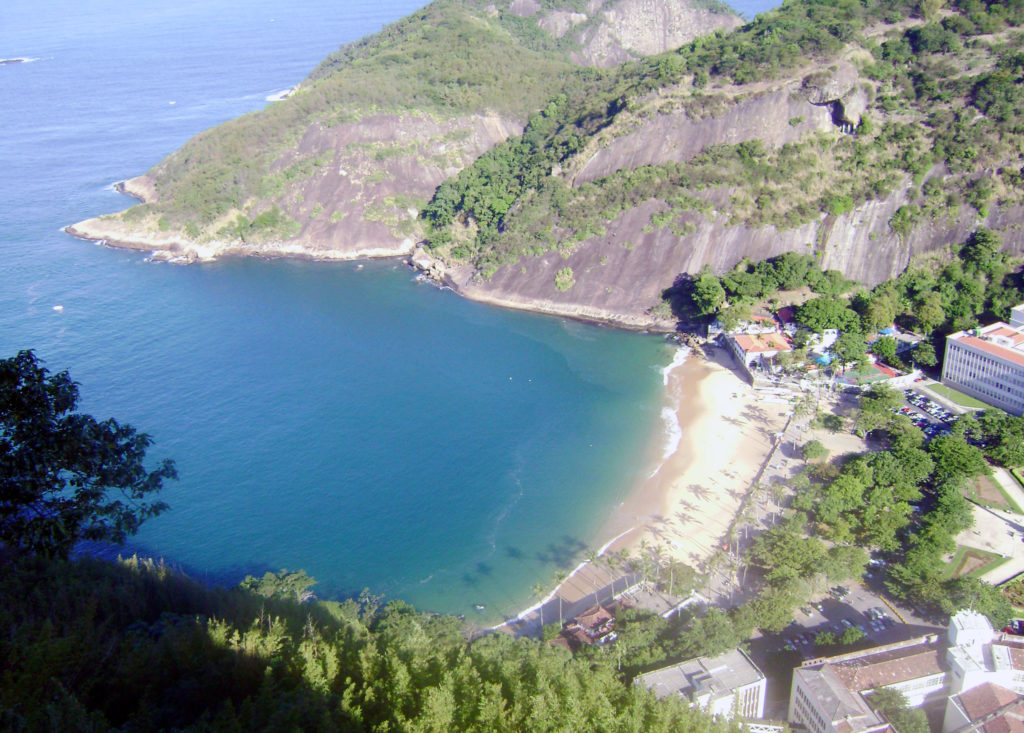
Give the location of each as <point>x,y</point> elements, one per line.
<point>620,277</point>
<point>610,32</point>
<point>364,180</point>
<point>629,29</point>
<point>361,201</point>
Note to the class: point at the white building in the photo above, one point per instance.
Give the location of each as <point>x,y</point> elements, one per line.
<point>729,685</point>
<point>833,695</point>
<point>988,363</point>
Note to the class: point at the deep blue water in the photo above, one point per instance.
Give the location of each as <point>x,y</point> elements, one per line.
<point>334,417</point>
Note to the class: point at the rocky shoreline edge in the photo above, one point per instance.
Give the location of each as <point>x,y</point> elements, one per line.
<point>461,280</point>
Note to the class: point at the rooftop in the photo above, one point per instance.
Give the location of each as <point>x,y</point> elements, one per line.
<point>998,339</point>
<point>760,342</point>
<point>888,665</point>
<point>714,676</point>
<point>985,699</point>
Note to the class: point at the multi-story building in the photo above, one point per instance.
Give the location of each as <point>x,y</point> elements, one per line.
<point>833,694</point>
<point>988,363</point>
<point>729,685</point>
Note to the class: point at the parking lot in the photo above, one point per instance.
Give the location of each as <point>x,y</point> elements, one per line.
<point>845,608</point>
<point>931,417</point>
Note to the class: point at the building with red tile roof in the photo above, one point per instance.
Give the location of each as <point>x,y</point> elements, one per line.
<point>977,672</point>
<point>757,351</point>
<point>989,708</point>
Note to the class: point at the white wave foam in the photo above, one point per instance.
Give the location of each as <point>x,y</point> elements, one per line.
<point>673,431</point>
<point>527,611</point>
<point>670,412</point>
<point>678,359</point>
<point>279,95</point>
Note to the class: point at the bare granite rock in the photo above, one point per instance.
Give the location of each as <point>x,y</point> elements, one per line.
<point>560,22</point>
<point>629,29</point>
<point>524,8</point>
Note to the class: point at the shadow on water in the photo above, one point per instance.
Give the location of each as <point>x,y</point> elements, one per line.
<point>228,577</point>
<point>562,553</point>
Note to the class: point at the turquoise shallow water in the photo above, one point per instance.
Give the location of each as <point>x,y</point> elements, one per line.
<point>340,418</point>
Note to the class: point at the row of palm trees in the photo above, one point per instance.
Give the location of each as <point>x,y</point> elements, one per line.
<point>652,562</point>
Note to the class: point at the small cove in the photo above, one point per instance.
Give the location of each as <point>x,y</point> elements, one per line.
<point>335,417</point>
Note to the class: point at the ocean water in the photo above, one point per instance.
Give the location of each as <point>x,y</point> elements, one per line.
<point>336,417</point>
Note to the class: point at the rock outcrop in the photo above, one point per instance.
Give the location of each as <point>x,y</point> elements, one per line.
<point>374,173</point>
<point>628,29</point>
<point>365,180</point>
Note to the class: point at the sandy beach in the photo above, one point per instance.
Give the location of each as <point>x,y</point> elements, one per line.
<point>686,503</point>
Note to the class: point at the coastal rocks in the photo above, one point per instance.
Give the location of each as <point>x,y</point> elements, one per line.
<point>364,203</point>
<point>166,247</point>
<point>432,268</point>
<point>140,187</point>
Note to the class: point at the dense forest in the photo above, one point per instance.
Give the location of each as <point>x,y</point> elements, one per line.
<point>91,645</point>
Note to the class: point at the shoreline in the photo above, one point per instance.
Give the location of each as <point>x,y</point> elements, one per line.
<point>687,503</point>
<point>177,250</point>
<point>705,452</point>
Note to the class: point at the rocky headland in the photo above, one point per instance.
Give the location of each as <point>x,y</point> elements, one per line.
<point>337,171</point>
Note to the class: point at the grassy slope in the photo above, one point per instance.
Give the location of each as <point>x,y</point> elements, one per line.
<point>446,59</point>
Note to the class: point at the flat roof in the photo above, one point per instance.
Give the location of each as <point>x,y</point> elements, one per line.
<point>993,349</point>
<point>984,339</point>
<point>718,676</point>
<point>890,665</point>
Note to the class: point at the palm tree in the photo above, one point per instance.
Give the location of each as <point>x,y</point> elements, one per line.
<point>612,561</point>
<point>559,579</point>
<point>538,593</point>
<point>591,558</point>
<point>626,560</point>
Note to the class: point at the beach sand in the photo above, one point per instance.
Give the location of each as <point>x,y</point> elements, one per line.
<point>685,505</point>
<point>694,485</point>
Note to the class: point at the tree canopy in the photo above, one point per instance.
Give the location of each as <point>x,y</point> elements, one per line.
<point>65,476</point>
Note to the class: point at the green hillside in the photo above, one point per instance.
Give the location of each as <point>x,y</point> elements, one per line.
<point>446,59</point>
<point>944,106</point>
<point>91,645</point>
